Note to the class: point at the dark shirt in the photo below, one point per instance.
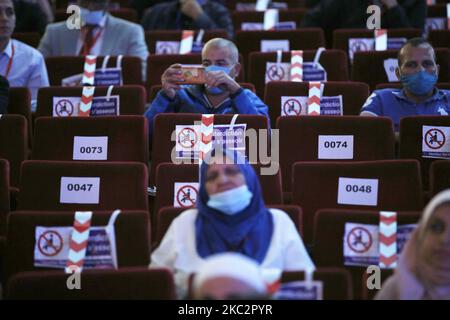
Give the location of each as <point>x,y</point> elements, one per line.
<point>29,17</point>
<point>4,94</point>
<point>167,16</point>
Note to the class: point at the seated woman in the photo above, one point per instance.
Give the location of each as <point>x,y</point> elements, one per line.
<point>230,217</point>
<point>423,270</point>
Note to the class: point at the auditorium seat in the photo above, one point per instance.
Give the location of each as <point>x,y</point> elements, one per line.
<point>120,185</point>
<point>4,201</point>
<point>366,293</point>
<point>354,95</point>
<point>19,102</point>
<point>439,176</point>
<point>132,233</point>
<point>439,38</point>
<point>316,186</point>
<point>333,61</point>
<point>127,138</point>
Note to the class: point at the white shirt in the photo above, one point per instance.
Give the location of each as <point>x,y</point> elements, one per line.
<point>28,67</point>
<point>100,31</point>
<point>178,250</point>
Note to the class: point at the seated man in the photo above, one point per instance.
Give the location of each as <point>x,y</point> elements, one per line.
<point>20,64</point>
<point>101,34</point>
<point>220,94</point>
<point>188,15</point>
<point>418,72</point>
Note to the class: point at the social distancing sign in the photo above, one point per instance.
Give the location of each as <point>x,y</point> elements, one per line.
<point>101,106</point>
<point>368,44</point>
<point>436,142</point>
<point>185,194</point>
<point>298,105</point>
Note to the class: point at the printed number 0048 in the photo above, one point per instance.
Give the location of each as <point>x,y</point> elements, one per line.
<point>356,188</point>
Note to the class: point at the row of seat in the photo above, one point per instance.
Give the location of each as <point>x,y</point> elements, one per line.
<point>373,139</point>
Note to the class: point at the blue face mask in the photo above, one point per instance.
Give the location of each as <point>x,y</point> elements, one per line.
<point>216,90</point>
<point>92,17</point>
<point>419,83</point>
<point>232,201</point>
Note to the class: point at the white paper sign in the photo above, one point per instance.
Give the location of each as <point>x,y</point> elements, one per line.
<point>90,148</point>
<point>357,191</point>
<point>389,67</point>
<point>436,142</point>
<point>294,105</point>
<point>101,106</point>
<point>300,290</point>
<point>270,19</point>
<point>167,47</point>
<point>84,190</point>
<point>252,26</point>
<point>185,194</point>
<point>262,5</point>
<point>335,147</point>
<point>274,45</point>
<point>360,244</point>
<point>277,71</point>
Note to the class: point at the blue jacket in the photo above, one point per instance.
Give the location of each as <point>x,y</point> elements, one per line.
<point>191,99</point>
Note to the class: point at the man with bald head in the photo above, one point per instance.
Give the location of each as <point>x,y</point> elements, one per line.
<point>220,94</point>
<point>418,72</point>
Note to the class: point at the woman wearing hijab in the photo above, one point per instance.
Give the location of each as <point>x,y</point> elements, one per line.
<point>230,217</point>
<point>423,271</point>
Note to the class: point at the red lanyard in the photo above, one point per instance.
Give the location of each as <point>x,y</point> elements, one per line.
<point>85,50</point>
<point>10,62</point>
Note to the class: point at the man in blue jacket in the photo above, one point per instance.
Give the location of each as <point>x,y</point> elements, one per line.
<point>418,72</point>
<point>221,94</point>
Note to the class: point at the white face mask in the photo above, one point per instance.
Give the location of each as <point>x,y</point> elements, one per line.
<point>231,201</point>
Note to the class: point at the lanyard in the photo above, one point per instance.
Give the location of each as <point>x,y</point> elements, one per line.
<point>10,62</point>
<point>86,51</point>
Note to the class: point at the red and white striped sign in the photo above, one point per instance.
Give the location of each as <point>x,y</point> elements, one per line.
<point>86,101</point>
<point>187,41</point>
<point>380,39</point>
<point>206,133</point>
<point>297,65</point>
<point>314,96</point>
<point>388,239</point>
<point>79,241</point>
<point>90,63</point>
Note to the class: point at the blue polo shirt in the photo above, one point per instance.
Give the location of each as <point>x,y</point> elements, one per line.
<point>393,103</point>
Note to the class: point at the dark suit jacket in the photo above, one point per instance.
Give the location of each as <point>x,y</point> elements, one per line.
<point>4,94</point>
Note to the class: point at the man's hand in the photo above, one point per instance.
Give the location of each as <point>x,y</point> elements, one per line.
<point>390,3</point>
<point>170,80</point>
<point>222,80</point>
<point>191,8</point>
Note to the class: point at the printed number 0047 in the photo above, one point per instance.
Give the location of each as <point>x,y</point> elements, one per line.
<point>79,187</point>
<point>90,149</point>
<point>356,188</point>
<point>335,144</point>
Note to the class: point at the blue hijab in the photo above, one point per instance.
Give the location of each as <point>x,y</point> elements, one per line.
<point>248,232</point>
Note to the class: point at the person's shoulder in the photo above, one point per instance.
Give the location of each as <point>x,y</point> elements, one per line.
<point>186,216</point>
<point>57,27</point>
<point>25,50</point>
<point>279,216</point>
<point>122,24</point>
<point>387,92</point>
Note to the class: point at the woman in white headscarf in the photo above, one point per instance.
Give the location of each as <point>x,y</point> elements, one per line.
<point>423,271</point>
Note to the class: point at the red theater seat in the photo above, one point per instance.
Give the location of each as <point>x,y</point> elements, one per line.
<point>123,284</point>
<point>333,61</point>
<point>132,233</point>
<point>20,103</point>
<point>131,97</point>
<point>4,200</point>
<point>439,176</point>
<point>439,38</point>
<point>122,185</point>
<point>239,17</point>
<point>315,186</point>
<point>127,137</point>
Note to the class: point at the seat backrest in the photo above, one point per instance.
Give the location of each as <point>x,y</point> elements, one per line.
<point>123,284</point>
<point>19,102</point>
<point>337,282</point>
<point>239,17</point>
<point>4,195</point>
<point>155,89</point>
<point>62,67</point>
<point>369,66</point>
<point>157,64</point>
<point>439,176</point>
<point>354,95</point>
<point>373,139</point>
<point>131,98</point>
<point>167,174</point>
<point>439,38</point>
<point>58,138</point>
<point>166,215</point>
<point>341,36</point>
<point>153,36</point>
<point>132,233</point>
<point>50,185</point>
<point>411,140</point>
<point>14,143</point>
<point>316,186</point>
<point>299,39</point>
<point>30,38</point>
<point>437,10</point>
<point>333,61</point>
<point>165,125</point>
<point>329,234</point>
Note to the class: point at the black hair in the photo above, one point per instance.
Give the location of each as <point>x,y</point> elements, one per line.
<point>415,42</point>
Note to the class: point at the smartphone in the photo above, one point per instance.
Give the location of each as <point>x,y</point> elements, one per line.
<point>193,74</point>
